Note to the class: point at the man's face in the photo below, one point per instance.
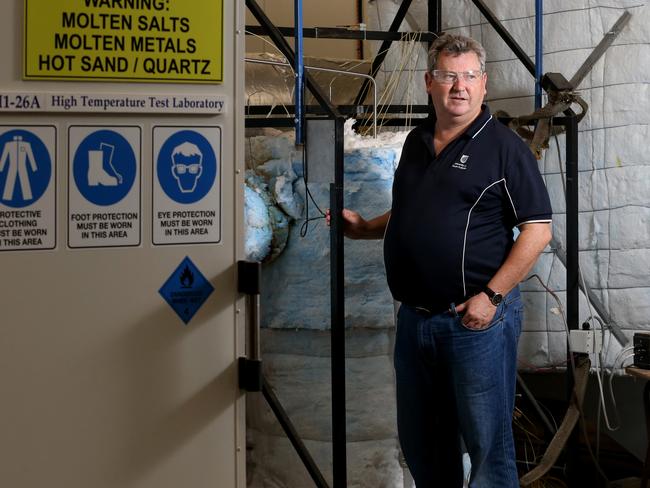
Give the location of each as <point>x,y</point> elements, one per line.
<point>461,100</point>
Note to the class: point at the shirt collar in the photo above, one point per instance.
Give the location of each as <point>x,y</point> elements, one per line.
<point>429,127</point>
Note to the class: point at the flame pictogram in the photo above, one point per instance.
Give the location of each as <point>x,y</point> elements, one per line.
<point>187,278</point>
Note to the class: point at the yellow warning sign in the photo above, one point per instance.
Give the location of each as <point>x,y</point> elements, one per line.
<point>176,41</point>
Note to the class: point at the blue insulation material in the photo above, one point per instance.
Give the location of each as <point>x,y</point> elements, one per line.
<point>296,281</point>
<point>258,226</point>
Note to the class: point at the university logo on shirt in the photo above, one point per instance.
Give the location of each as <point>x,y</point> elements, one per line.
<point>462,163</point>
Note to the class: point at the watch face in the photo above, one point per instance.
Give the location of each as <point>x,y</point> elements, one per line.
<point>496,299</point>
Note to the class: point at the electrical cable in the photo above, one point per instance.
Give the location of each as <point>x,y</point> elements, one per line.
<point>560,309</point>
<point>548,410</point>
<point>582,420</point>
<point>410,75</point>
<point>625,358</point>
<point>598,358</point>
<point>409,43</point>
<point>611,374</point>
<point>603,354</point>
<point>390,88</point>
<point>261,38</point>
<point>304,228</point>
<point>583,424</point>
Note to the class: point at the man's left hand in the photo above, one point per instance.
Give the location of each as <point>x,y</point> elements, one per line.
<point>477,312</point>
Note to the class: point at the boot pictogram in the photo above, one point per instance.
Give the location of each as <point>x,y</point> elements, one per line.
<point>97,175</point>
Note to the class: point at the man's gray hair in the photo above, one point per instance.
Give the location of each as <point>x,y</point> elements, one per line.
<point>455,45</point>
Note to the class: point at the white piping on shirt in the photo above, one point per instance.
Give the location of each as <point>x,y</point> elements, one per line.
<point>386,269</point>
<point>544,221</point>
<point>482,127</point>
<point>469,216</point>
<point>386,228</point>
<point>505,184</point>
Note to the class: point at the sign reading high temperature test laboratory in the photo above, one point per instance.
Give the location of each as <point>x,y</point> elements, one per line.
<point>186,185</point>
<point>128,40</point>
<point>27,188</point>
<point>104,186</point>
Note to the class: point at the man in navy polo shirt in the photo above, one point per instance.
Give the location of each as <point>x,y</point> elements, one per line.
<point>464,182</point>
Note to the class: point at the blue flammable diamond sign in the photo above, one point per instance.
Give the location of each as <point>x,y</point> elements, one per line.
<point>186,290</point>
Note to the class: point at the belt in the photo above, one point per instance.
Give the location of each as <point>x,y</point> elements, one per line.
<point>430,311</point>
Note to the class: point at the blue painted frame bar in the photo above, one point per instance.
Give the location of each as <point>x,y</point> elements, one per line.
<point>300,72</point>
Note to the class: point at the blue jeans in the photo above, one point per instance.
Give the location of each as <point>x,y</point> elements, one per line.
<point>453,383</point>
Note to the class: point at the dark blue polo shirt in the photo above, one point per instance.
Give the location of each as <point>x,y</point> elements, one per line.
<point>453,214</point>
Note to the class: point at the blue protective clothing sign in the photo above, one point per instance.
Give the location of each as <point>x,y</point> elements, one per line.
<point>27,187</point>
<point>25,168</point>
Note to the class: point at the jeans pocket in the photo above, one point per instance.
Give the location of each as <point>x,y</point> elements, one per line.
<point>497,319</point>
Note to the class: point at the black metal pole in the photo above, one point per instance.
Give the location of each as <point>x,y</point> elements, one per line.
<point>572,273</point>
<point>360,21</point>
<point>572,221</point>
<point>342,33</point>
<point>339,447</point>
<point>646,408</point>
<point>339,457</point>
<point>434,14</point>
<point>293,436</point>
<point>505,35</point>
<point>251,378</point>
<point>383,51</point>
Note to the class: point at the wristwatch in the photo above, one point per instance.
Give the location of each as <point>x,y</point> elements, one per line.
<point>495,297</point>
